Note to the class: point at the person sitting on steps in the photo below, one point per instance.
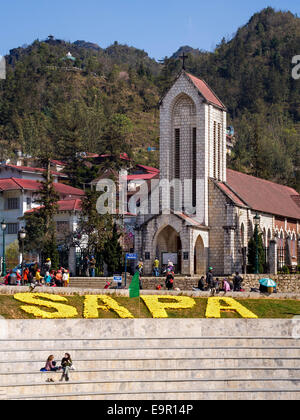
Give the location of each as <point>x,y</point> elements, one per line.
<point>66,364</point>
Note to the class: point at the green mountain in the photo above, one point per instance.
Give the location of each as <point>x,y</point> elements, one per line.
<point>51,102</point>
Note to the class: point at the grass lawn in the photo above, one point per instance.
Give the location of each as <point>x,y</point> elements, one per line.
<point>263,308</point>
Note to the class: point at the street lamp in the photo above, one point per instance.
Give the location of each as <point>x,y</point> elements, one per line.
<point>22,236</point>
<point>3,227</point>
<point>256,223</point>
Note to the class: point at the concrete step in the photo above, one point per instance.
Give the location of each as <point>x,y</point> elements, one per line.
<point>183,352</point>
<point>148,343</point>
<point>152,386</point>
<point>151,374</point>
<point>34,365</point>
<point>217,394</point>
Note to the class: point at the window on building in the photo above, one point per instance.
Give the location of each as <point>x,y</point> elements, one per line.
<point>293,247</point>
<point>12,203</point>
<point>28,203</point>
<point>194,159</point>
<point>219,151</point>
<point>215,150</point>
<point>177,153</point>
<point>12,228</point>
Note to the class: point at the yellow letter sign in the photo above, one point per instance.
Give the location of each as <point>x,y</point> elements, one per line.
<point>158,309</point>
<point>91,307</point>
<point>214,308</point>
<point>62,311</point>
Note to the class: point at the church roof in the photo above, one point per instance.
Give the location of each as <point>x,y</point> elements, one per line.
<point>206,91</point>
<point>262,195</point>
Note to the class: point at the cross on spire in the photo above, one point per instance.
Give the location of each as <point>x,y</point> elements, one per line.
<point>183,57</point>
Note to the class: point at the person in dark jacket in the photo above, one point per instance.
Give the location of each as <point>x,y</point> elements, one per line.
<point>237,282</point>
<point>170,280</point>
<point>201,284</point>
<point>209,278</point>
<point>66,364</point>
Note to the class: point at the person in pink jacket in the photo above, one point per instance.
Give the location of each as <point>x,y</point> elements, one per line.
<point>226,286</point>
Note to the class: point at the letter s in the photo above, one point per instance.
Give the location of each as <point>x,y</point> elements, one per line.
<point>62,311</point>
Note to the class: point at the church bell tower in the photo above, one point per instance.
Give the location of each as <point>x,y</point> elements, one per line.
<point>192,145</point>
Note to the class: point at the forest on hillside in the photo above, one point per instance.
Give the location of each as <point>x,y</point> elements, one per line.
<point>107,99</point>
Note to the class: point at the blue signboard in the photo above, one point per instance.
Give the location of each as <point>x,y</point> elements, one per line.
<point>118,279</point>
<point>131,256</point>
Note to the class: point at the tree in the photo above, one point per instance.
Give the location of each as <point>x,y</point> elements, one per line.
<point>116,140</point>
<point>252,249</point>
<point>40,225</point>
<point>112,253</point>
<point>93,227</point>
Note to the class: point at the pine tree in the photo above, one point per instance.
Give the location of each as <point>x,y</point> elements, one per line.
<point>42,220</point>
<point>112,252</point>
<point>252,248</point>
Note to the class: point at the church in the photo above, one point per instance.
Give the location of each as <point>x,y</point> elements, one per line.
<point>210,214</point>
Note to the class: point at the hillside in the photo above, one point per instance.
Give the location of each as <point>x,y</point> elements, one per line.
<point>251,73</point>
<point>49,99</point>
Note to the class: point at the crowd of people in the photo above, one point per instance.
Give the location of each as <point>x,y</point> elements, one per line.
<point>215,285</point>
<point>34,275</point>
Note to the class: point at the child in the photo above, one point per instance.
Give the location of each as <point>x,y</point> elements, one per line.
<point>58,279</point>
<point>47,279</point>
<point>65,278</point>
<point>38,277</point>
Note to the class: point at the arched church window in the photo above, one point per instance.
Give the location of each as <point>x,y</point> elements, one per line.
<point>215,150</point>
<point>194,170</point>
<point>243,235</point>
<point>293,246</point>
<point>177,153</point>
<point>219,149</point>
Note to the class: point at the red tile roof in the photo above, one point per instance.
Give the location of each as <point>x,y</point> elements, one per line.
<point>63,205</point>
<point>206,91</point>
<point>67,190</point>
<point>231,194</point>
<point>11,184</point>
<point>30,169</point>
<point>149,168</point>
<point>138,177</point>
<point>264,196</point>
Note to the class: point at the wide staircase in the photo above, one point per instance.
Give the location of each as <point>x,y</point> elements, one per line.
<point>226,367</point>
<point>89,282</point>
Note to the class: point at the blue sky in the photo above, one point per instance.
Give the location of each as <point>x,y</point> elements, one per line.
<point>159,27</point>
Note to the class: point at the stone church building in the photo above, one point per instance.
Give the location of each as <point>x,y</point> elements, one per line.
<point>209,215</point>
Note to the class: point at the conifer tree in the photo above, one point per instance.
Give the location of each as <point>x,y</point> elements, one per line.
<point>252,247</point>
<point>112,253</point>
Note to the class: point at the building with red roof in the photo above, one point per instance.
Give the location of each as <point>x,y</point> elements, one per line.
<point>19,195</point>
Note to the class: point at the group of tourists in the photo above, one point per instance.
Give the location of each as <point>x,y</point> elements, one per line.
<point>32,274</point>
<point>66,365</point>
<point>215,285</point>
<point>88,266</point>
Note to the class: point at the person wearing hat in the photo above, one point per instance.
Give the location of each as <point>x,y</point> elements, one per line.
<point>38,277</point>
<point>47,265</point>
<point>156,267</point>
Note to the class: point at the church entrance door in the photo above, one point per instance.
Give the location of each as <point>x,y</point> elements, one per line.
<point>168,242</point>
<point>199,257</point>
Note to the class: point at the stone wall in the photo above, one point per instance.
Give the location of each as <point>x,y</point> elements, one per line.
<point>38,329</point>
<point>285,283</point>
